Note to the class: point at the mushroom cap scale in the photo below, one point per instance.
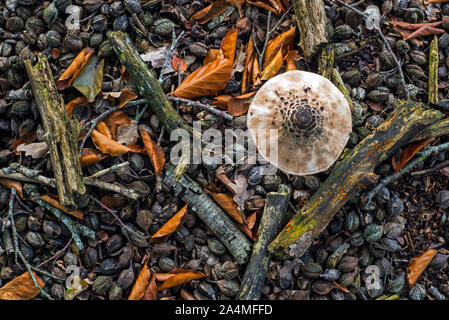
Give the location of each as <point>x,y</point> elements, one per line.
<point>300,122</point>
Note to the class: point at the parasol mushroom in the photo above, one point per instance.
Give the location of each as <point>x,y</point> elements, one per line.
<point>300,122</point>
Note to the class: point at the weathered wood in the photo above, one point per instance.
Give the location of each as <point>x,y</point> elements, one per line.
<point>211,214</point>
<point>326,61</point>
<point>270,224</point>
<point>150,88</point>
<point>338,81</point>
<point>311,19</point>
<point>351,175</point>
<point>433,71</point>
<point>61,134</point>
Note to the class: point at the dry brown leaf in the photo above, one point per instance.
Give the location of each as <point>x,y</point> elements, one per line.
<point>74,68</point>
<point>207,80</point>
<point>154,151</point>
<point>238,4</point>
<point>229,206</point>
<point>263,5</point>
<point>127,134</point>
<point>414,26</point>
<point>90,156</point>
<point>438,1</point>
<point>141,283</point>
<point>281,42</point>
<point>181,277</point>
<point>53,200</point>
<point>292,57</point>
<point>424,31</point>
<point>114,202</point>
<point>115,120</point>
<point>274,66</point>
<point>247,71</point>
<point>26,138</point>
<point>418,264</point>
<point>103,128</point>
<point>107,145</point>
<point>151,290</point>
<point>211,11</point>
<point>229,44</point>
<point>36,150</point>
<point>239,105</point>
<point>170,226</point>
<point>9,183</point>
<point>182,64</point>
<point>212,55</point>
<point>186,295</point>
<point>123,97</point>
<point>21,287</point>
<point>73,103</point>
<point>256,77</point>
<point>251,220</point>
<point>246,230</point>
<point>408,154</point>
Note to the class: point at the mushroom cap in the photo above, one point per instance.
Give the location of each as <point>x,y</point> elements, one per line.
<point>300,122</point>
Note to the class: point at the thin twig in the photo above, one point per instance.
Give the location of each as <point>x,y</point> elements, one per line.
<point>386,44</point>
<point>430,170</point>
<point>17,251</point>
<point>203,106</point>
<point>421,157</point>
<point>56,255</point>
<point>115,167</point>
<point>170,53</point>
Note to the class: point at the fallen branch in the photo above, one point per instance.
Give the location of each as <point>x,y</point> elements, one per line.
<point>433,71</point>
<point>270,224</point>
<point>211,214</point>
<point>351,175</point>
<point>203,106</point>
<point>60,134</point>
<point>311,19</point>
<point>421,157</point>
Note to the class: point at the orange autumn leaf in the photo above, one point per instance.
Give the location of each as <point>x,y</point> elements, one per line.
<point>141,283</point>
<point>107,145</point>
<point>239,105</point>
<point>90,156</point>
<point>424,31</point>
<point>123,97</point>
<point>211,11</point>
<point>9,183</point>
<point>229,206</point>
<point>181,278</point>
<point>251,220</point>
<point>115,120</point>
<point>26,138</point>
<point>248,66</point>
<point>222,100</point>
<point>125,75</point>
<point>292,56</point>
<point>238,4</point>
<point>256,77</point>
<point>229,44</point>
<point>151,290</point>
<point>163,276</point>
<point>154,151</point>
<point>207,80</point>
<point>263,5</point>
<point>438,1</point>
<point>182,64</point>
<point>246,230</point>
<point>274,66</point>
<point>418,264</point>
<point>185,295</point>
<point>73,103</point>
<point>167,298</point>
<point>212,55</point>
<point>21,287</point>
<point>103,129</point>
<point>339,286</point>
<point>408,154</point>
<point>74,68</point>
<point>170,226</point>
<point>277,44</point>
<point>53,200</point>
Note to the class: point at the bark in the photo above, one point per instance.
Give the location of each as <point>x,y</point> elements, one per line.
<point>311,19</point>
<point>351,175</point>
<point>211,214</point>
<point>61,135</point>
<point>270,224</point>
<point>433,71</point>
<point>150,88</point>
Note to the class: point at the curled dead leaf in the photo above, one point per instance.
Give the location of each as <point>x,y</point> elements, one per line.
<point>408,154</point>
<point>26,138</point>
<point>9,183</point>
<point>228,205</point>
<point>170,226</point>
<point>53,200</point>
<point>36,150</point>
<point>21,287</point>
<point>74,68</point>
<point>182,64</point>
<point>211,11</point>
<point>123,97</point>
<point>181,276</point>
<point>141,283</point>
<point>73,103</point>
<point>90,156</point>
<point>107,145</point>
<point>154,151</point>
<point>418,264</point>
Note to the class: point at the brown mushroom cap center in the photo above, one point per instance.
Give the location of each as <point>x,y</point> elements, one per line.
<point>303,118</point>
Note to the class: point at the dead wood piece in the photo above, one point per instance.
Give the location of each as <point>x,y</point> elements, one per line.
<point>211,214</point>
<point>270,224</point>
<point>311,19</point>
<point>61,135</point>
<point>351,175</point>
